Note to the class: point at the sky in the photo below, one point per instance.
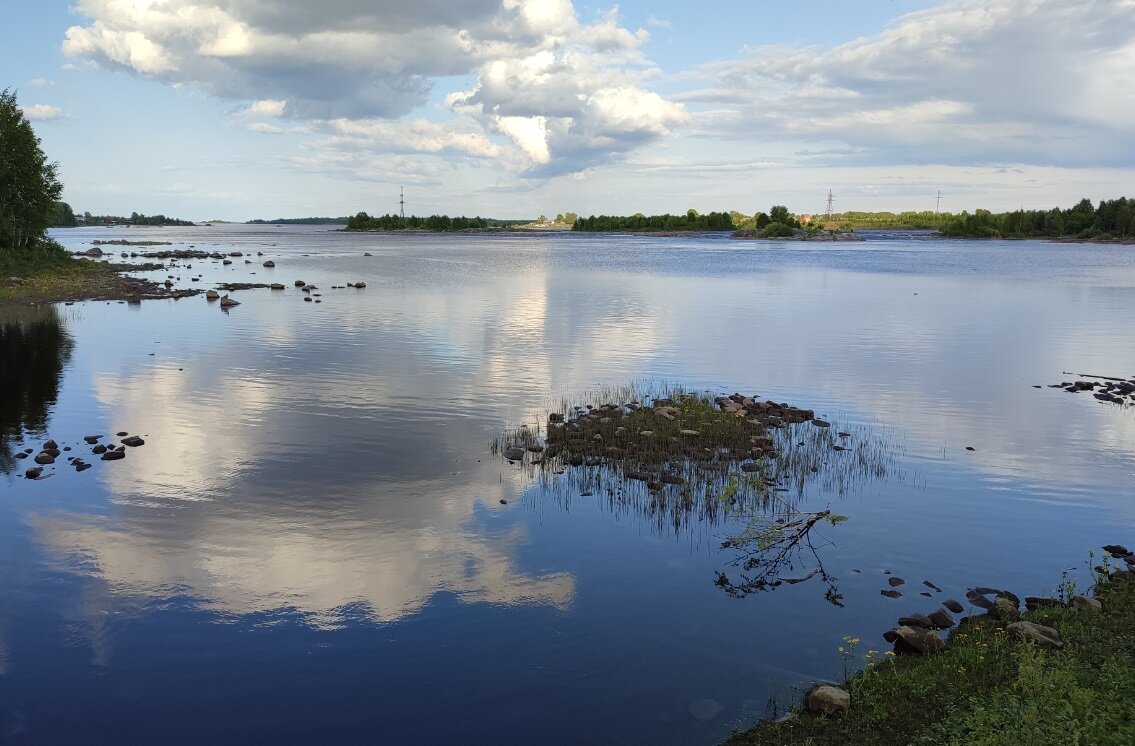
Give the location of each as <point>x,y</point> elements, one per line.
<point>241,109</point>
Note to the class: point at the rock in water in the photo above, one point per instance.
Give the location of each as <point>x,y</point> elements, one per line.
<point>953,606</point>
<point>227,302</point>
<point>827,699</point>
<point>34,472</point>
<point>919,640</point>
<point>113,455</point>
<point>269,264</point>
<point>133,441</point>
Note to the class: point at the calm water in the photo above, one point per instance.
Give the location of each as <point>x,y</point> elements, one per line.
<point>312,544</point>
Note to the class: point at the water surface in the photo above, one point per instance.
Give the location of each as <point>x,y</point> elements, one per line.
<point>316,542</point>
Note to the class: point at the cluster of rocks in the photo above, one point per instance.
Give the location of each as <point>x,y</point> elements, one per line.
<point>51,451</point>
<point>1113,390</point>
<point>917,634</point>
<point>664,431</point>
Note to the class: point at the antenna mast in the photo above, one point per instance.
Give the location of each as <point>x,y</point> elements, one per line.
<point>938,203</point>
<point>831,200</point>
<point>402,201</point>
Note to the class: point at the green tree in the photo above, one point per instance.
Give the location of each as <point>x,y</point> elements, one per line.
<point>29,185</point>
<point>63,216</point>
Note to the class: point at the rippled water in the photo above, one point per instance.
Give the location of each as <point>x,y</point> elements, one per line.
<point>316,543</point>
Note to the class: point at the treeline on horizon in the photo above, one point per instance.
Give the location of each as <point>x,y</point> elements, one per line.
<point>299,221</point>
<point>1113,219</point>
<point>691,221</point>
<point>64,217</point>
<point>439,223</point>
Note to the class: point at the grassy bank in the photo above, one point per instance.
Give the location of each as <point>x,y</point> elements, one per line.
<point>50,275</point>
<point>989,687</point>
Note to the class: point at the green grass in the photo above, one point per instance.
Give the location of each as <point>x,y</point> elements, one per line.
<point>991,689</point>
<point>50,274</point>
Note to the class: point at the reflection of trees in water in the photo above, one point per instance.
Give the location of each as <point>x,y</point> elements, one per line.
<point>34,346</point>
<point>756,503</point>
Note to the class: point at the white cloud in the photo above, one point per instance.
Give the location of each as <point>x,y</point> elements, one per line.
<point>556,92</point>
<point>42,112</point>
<point>1037,81</point>
<point>41,83</point>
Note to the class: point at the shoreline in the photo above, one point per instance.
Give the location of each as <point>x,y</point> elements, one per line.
<point>999,669</point>
<point>84,280</point>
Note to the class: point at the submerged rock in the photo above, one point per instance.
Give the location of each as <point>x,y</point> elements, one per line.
<point>953,606</point>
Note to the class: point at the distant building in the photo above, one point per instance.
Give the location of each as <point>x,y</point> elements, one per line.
<point>806,218</point>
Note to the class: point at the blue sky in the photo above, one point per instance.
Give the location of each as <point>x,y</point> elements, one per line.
<point>234,109</point>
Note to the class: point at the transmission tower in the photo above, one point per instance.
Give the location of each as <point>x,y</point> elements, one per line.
<point>402,201</point>
<point>938,203</point>
<point>831,200</point>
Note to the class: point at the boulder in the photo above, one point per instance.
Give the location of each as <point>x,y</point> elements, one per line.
<point>827,699</point>
<point>1089,604</point>
<point>953,606</point>
<point>360,284</point>
<point>1045,637</point>
<point>212,295</point>
<point>227,302</point>
<point>916,620</point>
<point>34,472</point>
<point>133,441</point>
<point>43,457</point>
<point>1004,608</point>
<point>113,455</point>
<point>918,640</point>
<point>269,264</point>
<point>941,619</point>
<point>895,582</point>
<point>514,454</point>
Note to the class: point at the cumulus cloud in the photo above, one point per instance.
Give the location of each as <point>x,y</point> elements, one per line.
<point>561,94</point>
<point>42,112</point>
<point>1035,81</point>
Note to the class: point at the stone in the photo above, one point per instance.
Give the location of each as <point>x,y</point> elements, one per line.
<point>44,458</point>
<point>34,472</point>
<point>1003,608</point>
<point>99,449</point>
<point>941,619</point>
<point>300,283</point>
<point>212,295</point>
<point>269,264</point>
<point>891,593</point>
<point>113,455</point>
<point>51,445</point>
<point>931,586</point>
<point>1032,603</point>
<point>821,423</point>
<point>1045,637</point>
<point>895,582</point>
<point>705,710</point>
<point>828,700</point>
<point>918,640</point>
<point>916,620</point>
<point>690,433</point>
<point>891,635</point>
<point>360,284</point>
<point>277,286</point>
<point>81,466</point>
<point>307,299</point>
<point>978,599</point>
<point>133,441</point>
<point>1089,604</point>
<point>227,302</point>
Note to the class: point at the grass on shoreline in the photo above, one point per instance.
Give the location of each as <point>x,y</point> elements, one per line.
<point>51,275</point>
<point>989,688</point>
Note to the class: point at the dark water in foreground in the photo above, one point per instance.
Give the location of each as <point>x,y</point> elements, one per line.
<point>311,546</point>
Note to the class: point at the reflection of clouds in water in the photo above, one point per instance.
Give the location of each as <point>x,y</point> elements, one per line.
<point>3,651</point>
<point>249,564</point>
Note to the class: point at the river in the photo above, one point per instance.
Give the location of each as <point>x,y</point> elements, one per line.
<point>316,543</point>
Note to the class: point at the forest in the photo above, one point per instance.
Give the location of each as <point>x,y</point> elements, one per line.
<point>439,223</point>
<point>691,221</point>
<point>1112,219</point>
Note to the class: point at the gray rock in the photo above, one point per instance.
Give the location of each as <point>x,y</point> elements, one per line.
<point>918,640</point>
<point>827,699</point>
<point>1004,608</point>
<point>34,472</point>
<point>705,710</point>
<point>953,606</point>
<point>890,593</point>
<point>916,620</point>
<point>1090,604</point>
<point>941,619</point>
<point>514,454</point>
<point>133,441</point>
<point>1045,637</point>
<point>895,582</point>
<point>113,455</point>
<point>44,458</point>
